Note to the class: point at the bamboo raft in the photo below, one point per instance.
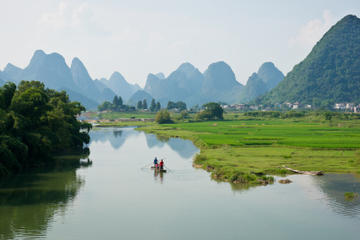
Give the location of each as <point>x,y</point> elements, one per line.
<point>314,173</point>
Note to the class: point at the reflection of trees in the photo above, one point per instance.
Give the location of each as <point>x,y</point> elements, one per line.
<point>28,202</point>
<point>115,136</point>
<point>334,186</point>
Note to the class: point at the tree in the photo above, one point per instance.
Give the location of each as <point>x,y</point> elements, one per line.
<point>139,105</point>
<point>36,123</point>
<point>181,106</point>
<point>158,106</point>
<point>170,105</point>
<point>212,111</point>
<point>144,104</point>
<point>105,106</point>
<point>163,116</point>
<point>153,105</point>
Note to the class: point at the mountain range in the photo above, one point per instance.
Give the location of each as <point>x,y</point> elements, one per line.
<point>218,83</point>
<point>329,74</point>
<point>52,70</point>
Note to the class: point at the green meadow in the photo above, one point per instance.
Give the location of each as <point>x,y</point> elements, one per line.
<point>116,115</point>
<point>248,150</point>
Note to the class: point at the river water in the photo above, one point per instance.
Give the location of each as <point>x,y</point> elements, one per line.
<point>120,197</point>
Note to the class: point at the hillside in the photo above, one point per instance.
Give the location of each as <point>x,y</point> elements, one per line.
<point>120,86</point>
<point>139,95</point>
<point>265,79</point>
<point>329,74</point>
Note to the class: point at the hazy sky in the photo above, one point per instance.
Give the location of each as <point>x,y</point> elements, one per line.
<point>136,37</point>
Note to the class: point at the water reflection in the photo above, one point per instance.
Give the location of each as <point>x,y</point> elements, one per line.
<point>116,139</point>
<point>28,202</point>
<point>185,149</point>
<point>334,186</point>
<point>158,175</point>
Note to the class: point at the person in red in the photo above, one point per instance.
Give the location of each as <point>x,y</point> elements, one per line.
<point>161,164</point>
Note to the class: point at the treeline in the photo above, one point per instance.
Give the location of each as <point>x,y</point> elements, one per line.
<point>117,105</point>
<point>179,106</point>
<point>210,111</point>
<point>154,107</point>
<point>35,124</point>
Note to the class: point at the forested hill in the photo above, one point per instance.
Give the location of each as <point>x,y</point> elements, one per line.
<point>329,74</point>
<point>35,123</point>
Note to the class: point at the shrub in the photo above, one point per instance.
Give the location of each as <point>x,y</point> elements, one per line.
<point>163,116</point>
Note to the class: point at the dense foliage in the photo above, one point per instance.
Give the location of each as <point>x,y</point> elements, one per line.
<point>212,111</point>
<point>163,116</point>
<point>329,74</point>
<point>36,123</point>
<point>179,106</point>
<point>116,105</point>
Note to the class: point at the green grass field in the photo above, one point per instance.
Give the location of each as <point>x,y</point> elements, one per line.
<point>247,150</point>
<point>117,115</point>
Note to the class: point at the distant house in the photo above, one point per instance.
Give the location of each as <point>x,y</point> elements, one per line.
<point>295,105</point>
<point>308,106</point>
<point>340,106</point>
<point>349,106</point>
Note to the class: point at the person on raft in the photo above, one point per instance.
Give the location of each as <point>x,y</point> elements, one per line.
<point>155,163</point>
<point>162,164</point>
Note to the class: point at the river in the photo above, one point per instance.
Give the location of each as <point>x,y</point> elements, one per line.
<point>120,197</point>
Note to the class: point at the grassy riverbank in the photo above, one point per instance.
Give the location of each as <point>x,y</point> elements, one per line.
<point>245,151</point>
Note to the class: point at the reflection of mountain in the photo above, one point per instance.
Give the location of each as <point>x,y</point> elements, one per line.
<point>153,141</point>
<point>334,186</point>
<point>184,148</point>
<point>116,137</point>
<point>29,202</point>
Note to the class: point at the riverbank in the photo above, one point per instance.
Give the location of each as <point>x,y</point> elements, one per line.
<point>248,151</point>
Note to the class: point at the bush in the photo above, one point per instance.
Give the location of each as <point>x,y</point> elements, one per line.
<point>163,116</point>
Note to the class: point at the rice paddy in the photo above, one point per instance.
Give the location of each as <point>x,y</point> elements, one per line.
<point>247,150</point>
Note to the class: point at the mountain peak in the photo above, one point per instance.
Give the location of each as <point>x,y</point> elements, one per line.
<point>10,68</point>
<point>76,61</point>
<point>39,53</point>
<point>38,56</point>
<point>160,75</point>
<point>349,19</point>
<point>117,76</point>
<point>186,67</point>
<point>329,74</point>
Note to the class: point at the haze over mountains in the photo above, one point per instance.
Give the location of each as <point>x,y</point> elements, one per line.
<point>186,83</point>
<point>329,74</point>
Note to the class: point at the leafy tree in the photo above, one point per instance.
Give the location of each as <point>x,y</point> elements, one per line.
<point>170,105</point>
<point>36,123</point>
<point>212,111</point>
<point>180,106</point>
<point>139,105</point>
<point>153,105</point>
<point>105,106</point>
<point>144,104</point>
<point>163,116</point>
<point>158,106</point>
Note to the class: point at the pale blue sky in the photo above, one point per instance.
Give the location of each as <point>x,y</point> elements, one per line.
<point>139,37</point>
